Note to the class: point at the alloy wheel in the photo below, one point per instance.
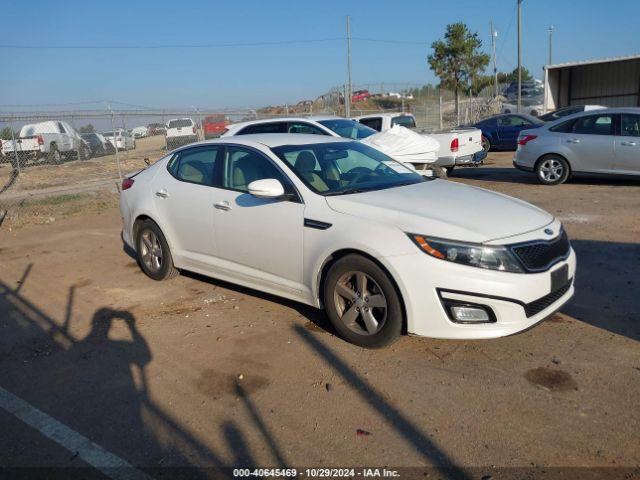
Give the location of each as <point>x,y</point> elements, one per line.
<point>151,250</point>
<point>551,170</point>
<point>360,303</point>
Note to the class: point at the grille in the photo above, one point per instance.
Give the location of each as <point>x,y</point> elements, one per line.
<point>539,305</point>
<point>540,255</point>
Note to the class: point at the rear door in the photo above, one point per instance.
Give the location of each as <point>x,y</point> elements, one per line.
<point>627,145</point>
<point>591,142</point>
<point>183,195</point>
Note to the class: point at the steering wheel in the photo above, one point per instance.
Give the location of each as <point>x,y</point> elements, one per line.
<point>359,173</point>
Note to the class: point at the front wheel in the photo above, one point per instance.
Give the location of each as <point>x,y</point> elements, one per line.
<point>362,302</point>
<point>552,170</point>
<point>154,256</point>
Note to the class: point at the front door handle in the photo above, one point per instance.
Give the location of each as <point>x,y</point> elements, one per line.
<point>162,193</point>
<point>224,205</point>
<point>628,144</point>
<point>573,140</point>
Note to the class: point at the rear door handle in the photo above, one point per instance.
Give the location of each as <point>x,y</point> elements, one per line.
<point>573,140</point>
<point>224,205</point>
<point>162,193</point>
<point>628,144</point>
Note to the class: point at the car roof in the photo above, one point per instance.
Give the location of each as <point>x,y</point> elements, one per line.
<point>313,118</point>
<point>272,140</point>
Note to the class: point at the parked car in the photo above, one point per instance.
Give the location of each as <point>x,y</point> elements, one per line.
<point>566,111</point>
<point>156,129</point>
<point>360,95</point>
<point>180,131</point>
<point>500,132</point>
<point>140,132</point>
<point>600,142</point>
<point>99,144</point>
<point>382,249</point>
<point>214,125</point>
<point>121,139</point>
<point>458,146</point>
<point>51,140</point>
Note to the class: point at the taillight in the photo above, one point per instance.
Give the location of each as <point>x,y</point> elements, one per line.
<point>194,130</point>
<point>40,140</point>
<point>454,145</point>
<point>127,183</point>
<point>526,139</point>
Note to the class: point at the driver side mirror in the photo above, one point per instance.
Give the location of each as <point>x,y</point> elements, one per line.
<point>266,188</point>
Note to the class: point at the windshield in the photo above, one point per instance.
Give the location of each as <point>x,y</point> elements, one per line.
<point>181,122</point>
<point>348,128</point>
<point>343,168</point>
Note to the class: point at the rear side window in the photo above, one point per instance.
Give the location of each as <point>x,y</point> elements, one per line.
<point>404,121</point>
<point>196,165</point>
<point>564,127</point>
<point>594,125</point>
<point>630,125</point>
<point>512,121</point>
<point>274,127</point>
<point>375,123</point>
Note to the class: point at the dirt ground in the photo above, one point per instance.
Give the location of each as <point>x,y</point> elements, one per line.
<point>199,373</point>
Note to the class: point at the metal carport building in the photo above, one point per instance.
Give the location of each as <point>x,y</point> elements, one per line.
<point>612,82</point>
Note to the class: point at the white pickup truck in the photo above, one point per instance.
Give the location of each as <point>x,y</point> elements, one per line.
<point>181,131</point>
<point>458,146</point>
<point>50,140</point>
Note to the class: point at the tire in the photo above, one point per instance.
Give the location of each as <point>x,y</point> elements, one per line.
<point>486,144</point>
<point>439,171</point>
<point>149,238</point>
<point>54,156</point>
<point>344,296</point>
<point>450,169</point>
<point>552,170</point>
<point>85,153</point>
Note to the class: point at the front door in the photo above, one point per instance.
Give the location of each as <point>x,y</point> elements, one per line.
<point>259,240</point>
<point>627,145</point>
<point>591,143</point>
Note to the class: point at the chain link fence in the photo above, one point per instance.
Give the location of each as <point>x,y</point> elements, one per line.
<point>66,156</point>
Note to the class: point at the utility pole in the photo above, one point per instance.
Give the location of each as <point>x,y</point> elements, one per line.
<point>519,55</point>
<point>494,35</point>
<point>347,100</point>
<point>550,30</point>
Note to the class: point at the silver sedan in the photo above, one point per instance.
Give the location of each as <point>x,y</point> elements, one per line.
<point>601,142</point>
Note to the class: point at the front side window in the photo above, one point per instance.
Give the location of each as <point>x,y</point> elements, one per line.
<point>270,127</point>
<point>404,121</point>
<point>594,125</point>
<point>195,165</point>
<point>348,128</point>
<point>345,167</point>
<point>630,125</point>
<point>243,166</point>
<point>303,127</point>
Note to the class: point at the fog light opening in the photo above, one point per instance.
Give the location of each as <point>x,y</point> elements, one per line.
<point>470,313</point>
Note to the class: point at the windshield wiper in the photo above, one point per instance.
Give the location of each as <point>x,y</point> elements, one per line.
<point>347,191</point>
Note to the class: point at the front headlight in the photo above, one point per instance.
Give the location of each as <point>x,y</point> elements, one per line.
<point>474,255</point>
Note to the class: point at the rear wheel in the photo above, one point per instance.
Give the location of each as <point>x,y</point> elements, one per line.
<point>552,170</point>
<point>154,256</point>
<point>362,302</point>
<point>450,169</point>
<point>54,156</point>
<point>486,144</point>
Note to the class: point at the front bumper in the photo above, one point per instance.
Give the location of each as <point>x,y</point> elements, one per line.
<point>518,300</point>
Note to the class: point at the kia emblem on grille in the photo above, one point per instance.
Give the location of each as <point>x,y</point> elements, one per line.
<point>548,231</point>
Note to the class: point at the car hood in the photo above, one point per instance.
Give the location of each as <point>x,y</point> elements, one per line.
<point>445,209</point>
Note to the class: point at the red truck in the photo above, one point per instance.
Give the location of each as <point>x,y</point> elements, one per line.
<point>359,95</point>
<point>214,125</point>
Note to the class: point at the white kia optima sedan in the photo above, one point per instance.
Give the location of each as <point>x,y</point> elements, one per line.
<point>339,225</point>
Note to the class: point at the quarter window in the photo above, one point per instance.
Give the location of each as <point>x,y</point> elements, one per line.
<point>564,127</point>
<point>196,165</point>
<point>630,125</point>
<point>594,125</point>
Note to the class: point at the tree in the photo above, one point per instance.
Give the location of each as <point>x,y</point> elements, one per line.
<point>6,133</point>
<point>457,59</point>
<point>513,76</point>
<point>87,129</point>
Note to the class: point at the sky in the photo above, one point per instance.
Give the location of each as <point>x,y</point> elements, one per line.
<point>244,76</point>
